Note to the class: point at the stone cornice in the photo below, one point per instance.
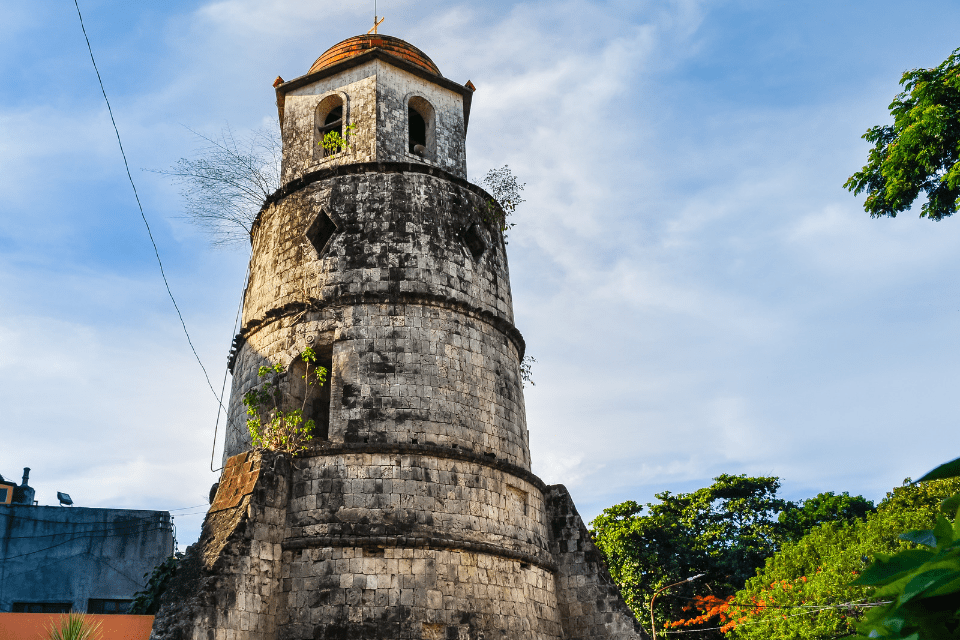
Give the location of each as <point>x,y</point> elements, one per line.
<point>322,449</point>
<point>366,167</point>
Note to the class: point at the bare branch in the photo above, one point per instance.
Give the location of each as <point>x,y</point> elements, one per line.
<point>227,181</point>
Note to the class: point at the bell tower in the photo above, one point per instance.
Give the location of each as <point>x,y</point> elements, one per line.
<point>414,512</point>
<point>392,95</point>
<point>381,257</point>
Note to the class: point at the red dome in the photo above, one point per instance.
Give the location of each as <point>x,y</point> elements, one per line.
<point>361,44</point>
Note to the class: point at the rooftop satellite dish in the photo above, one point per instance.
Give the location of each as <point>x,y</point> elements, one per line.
<point>64,498</point>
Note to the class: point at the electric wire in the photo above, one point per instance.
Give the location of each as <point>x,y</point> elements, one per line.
<point>69,540</point>
<point>196,506</point>
<point>140,206</point>
<point>748,605</point>
<point>121,530</point>
<point>226,371</point>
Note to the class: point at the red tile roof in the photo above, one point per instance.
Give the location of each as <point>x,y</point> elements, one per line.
<point>388,44</point>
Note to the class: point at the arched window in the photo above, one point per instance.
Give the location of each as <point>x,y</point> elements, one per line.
<point>418,132</point>
<point>329,118</point>
<point>421,123</point>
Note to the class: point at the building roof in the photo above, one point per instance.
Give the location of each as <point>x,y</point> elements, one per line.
<point>358,45</point>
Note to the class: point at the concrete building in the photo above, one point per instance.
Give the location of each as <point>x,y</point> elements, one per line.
<point>59,559</point>
<point>414,512</point>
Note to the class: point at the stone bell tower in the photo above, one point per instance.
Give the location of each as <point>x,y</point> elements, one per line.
<point>414,512</point>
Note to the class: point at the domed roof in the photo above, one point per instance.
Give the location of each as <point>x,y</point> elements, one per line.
<point>361,44</point>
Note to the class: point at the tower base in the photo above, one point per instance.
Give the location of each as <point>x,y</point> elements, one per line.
<point>253,576</point>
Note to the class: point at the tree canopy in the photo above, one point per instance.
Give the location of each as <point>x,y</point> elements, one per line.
<point>797,520</point>
<point>805,591</point>
<point>920,151</point>
<point>724,531</point>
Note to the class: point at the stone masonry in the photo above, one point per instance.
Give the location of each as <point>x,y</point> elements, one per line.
<point>414,512</point>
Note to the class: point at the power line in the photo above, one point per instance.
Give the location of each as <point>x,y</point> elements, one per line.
<point>196,506</point>
<point>140,206</point>
<point>236,321</point>
<point>128,520</point>
<point>69,540</point>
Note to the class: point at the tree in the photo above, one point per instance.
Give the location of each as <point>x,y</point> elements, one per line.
<point>804,591</point>
<point>920,587</point>
<point>724,531</point>
<point>229,178</point>
<point>226,183</point>
<point>797,520</point>
<point>920,151</point>
<point>503,186</point>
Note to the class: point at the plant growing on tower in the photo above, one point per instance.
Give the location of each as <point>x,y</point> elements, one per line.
<point>270,425</point>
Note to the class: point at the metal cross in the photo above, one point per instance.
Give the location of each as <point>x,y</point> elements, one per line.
<point>376,23</point>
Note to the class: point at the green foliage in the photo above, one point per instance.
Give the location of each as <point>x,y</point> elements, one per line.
<point>271,426</point>
<point>73,626</point>
<point>804,590</point>
<point>147,602</point>
<point>797,520</point>
<point>920,151</point>
<point>503,186</point>
<point>333,143</point>
<point>724,531</point>
<point>921,586</point>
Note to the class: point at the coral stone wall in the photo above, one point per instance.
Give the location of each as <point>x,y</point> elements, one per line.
<point>357,87</point>
<point>375,96</point>
<point>395,87</point>
<point>415,594</point>
<point>399,229</point>
<point>421,334</point>
<point>449,500</point>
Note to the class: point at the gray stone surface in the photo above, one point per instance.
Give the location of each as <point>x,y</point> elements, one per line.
<point>590,604</point>
<point>375,96</point>
<point>421,332</point>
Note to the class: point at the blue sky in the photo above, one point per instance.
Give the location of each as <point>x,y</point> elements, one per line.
<point>701,294</point>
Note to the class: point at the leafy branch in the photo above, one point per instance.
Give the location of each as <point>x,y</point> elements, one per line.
<point>270,425</point>
<point>922,585</point>
<point>503,186</point>
<point>147,602</point>
<point>333,143</point>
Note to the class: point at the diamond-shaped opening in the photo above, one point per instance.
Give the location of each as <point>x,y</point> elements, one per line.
<point>320,231</point>
<point>475,241</point>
